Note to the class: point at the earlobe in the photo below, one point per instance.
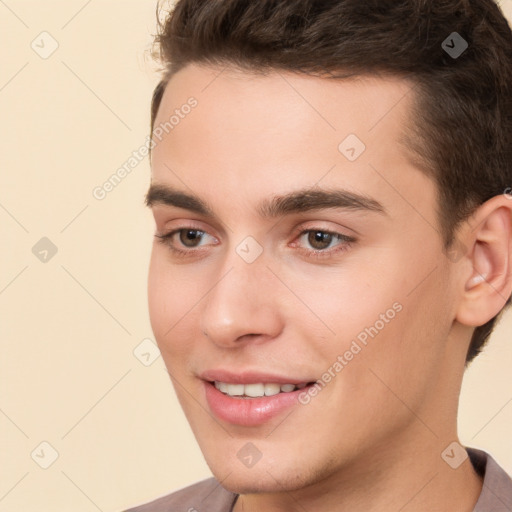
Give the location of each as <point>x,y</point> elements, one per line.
<point>489,285</point>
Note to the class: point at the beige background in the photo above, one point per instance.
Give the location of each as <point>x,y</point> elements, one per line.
<point>70,325</point>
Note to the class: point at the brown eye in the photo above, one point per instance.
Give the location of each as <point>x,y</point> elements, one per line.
<point>185,241</point>
<point>188,237</point>
<point>319,239</point>
<point>320,243</point>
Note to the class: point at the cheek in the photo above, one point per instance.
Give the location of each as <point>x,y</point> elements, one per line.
<point>404,358</point>
<point>348,299</point>
<point>177,294</point>
<point>384,313</point>
<point>171,298</point>
<point>157,297</point>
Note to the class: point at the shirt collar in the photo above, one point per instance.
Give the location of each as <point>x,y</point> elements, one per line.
<point>496,495</point>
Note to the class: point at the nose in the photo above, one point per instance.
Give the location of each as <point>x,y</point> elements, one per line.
<point>242,305</point>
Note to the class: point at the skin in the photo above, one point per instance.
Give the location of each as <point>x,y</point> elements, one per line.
<point>372,439</point>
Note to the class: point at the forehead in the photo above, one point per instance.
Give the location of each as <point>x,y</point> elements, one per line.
<point>252,131</point>
<point>258,107</point>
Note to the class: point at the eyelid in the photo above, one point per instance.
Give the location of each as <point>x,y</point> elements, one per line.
<point>346,242</point>
<point>165,215</point>
<point>170,233</point>
<point>316,226</point>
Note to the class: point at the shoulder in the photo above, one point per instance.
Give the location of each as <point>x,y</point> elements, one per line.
<point>206,495</point>
<point>496,492</point>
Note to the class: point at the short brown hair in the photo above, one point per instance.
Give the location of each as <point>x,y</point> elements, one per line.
<point>461,133</point>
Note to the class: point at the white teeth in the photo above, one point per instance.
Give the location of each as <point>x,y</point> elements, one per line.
<point>235,389</point>
<point>256,390</point>
<point>272,389</point>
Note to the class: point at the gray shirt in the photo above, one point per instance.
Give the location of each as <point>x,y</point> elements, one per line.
<point>209,496</point>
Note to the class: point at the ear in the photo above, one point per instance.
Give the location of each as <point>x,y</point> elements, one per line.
<point>486,284</point>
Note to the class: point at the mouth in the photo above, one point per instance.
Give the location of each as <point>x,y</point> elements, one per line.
<point>258,389</point>
<point>252,404</point>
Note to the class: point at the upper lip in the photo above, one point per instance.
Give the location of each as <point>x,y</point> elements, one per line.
<point>250,377</point>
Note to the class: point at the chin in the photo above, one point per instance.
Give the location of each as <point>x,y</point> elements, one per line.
<point>259,480</point>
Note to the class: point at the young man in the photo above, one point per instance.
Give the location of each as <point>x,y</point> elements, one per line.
<point>331,192</point>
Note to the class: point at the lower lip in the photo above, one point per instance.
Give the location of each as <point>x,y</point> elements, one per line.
<point>249,412</point>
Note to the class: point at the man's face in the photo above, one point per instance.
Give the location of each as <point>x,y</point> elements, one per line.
<point>285,295</point>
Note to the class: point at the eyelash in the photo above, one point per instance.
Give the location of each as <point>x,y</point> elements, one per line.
<point>317,254</point>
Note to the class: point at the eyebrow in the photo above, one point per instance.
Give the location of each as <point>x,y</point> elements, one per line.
<point>293,202</point>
